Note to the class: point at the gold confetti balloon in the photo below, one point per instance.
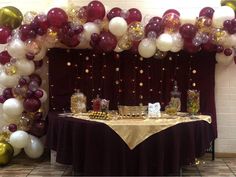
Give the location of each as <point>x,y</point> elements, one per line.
<point>218,36</point>
<point>136,31</point>
<point>10,69</point>
<point>6,153</point>
<point>125,43</point>
<point>10,16</point>
<point>171,22</point>
<point>204,24</point>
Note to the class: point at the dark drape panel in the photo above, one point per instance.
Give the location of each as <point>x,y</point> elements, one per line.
<point>128,79</point>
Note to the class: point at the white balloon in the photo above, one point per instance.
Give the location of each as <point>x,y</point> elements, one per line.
<point>12,107</point>
<point>164,42</point>
<point>221,14</point>
<point>1,110</point>
<point>84,43</point>
<point>34,149</point>
<point>16,151</point>
<point>221,58</point>
<point>178,42</point>
<point>41,54</point>
<point>230,41</point>
<point>147,48</point>
<point>89,29</point>
<point>118,26</point>
<point>19,139</point>
<point>118,49</point>
<point>25,67</point>
<point>16,48</point>
<point>9,81</point>
<point>44,97</point>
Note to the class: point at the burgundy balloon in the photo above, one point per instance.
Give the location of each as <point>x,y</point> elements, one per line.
<point>38,116</point>
<point>38,128</point>
<point>7,93</point>
<point>12,127</point>
<point>22,82</point>
<point>114,12</point>
<point>227,25</point>
<point>209,46</point>
<point>155,19</point>
<point>38,93</point>
<point>5,33</point>
<point>2,99</point>
<point>107,41</point>
<point>134,48</point>
<point>171,11</point>
<point>40,24</point>
<point>188,31</point>
<point>37,78</point>
<point>233,27</point>
<point>153,26</point>
<point>133,15</point>
<point>31,104</point>
<point>26,32</point>
<point>219,48</point>
<point>29,94</point>
<point>70,41</point>
<point>57,17</point>
<point>95,38</point>
<point>4,57</point>
<point>95,11</point>
<point>189,47</point>
<point>207,12</point>
<point>38,64</point>
<point>228,52</point>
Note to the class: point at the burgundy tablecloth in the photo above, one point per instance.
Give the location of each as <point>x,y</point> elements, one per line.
<point>93,148</point>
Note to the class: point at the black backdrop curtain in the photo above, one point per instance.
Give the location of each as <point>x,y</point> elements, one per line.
<point>128,79</point>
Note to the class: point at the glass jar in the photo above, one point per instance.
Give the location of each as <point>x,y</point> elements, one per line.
<point>78,102</point>
<point>96,104</point>
<point>175,100</point>
<point>193,101</point>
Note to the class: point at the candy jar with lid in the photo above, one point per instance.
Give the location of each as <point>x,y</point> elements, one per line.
<point>175,100</point>
<point>78,102</point>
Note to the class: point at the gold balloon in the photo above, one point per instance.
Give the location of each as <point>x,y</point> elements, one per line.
<point>229,3</point>
<point>204,24</point>
<point>6,153</point>
<point>218,36</point>
<point>125,43</point>
<point>135,31</point>
<point>11,17</point>
<point>10,69</point>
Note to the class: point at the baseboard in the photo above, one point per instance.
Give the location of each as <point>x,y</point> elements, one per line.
<point>224,155</point>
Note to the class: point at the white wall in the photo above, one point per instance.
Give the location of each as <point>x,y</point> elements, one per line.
<point>225,76</point>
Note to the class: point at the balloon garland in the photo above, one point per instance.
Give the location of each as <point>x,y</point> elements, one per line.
<point>27,38</point>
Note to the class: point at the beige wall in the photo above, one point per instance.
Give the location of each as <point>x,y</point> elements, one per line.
<point>225,76</point>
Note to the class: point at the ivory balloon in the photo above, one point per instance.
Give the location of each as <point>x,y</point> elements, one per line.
<point>19,139</point>
<point>147,48</point>
<point>44,97</point>
<point>164,42</point>
<point>16,151</point>
<point>118,49</point>
<point>25,67</point>
<point>221,14</point>
<point>221,58</point>
<point>118,26</point>
<point>16,48</point>
<point>41,54</point>
<point>9,81</point>
<point>177,42</point>
<point>12,107</point>
<point>34,149</point>
<point>89,29</point>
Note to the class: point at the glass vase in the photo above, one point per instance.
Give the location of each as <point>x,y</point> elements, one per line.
<point>193,102</point>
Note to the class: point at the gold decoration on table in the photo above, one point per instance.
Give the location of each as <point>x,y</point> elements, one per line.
<point>78,102</point>
<point>193,101</point>
<point>98,115</point>
<point>132,111</point>
<point>6,153</point>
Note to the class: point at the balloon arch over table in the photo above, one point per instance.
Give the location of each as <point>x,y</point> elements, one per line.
<point>27,39</point>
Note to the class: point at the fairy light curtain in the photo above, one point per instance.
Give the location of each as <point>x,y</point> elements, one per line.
<point>128,79</point>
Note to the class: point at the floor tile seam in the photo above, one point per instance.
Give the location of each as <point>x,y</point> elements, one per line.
<point>229,167</point>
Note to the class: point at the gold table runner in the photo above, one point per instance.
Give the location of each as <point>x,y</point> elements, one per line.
<point>134,131</point>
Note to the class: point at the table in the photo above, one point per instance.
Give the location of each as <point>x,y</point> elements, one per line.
<point>93,148</point>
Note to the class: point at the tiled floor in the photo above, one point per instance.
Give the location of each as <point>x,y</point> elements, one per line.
<point>21,166</point>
